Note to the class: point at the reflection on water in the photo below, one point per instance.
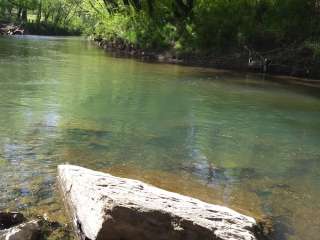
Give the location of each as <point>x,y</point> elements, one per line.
<point>226,138</point>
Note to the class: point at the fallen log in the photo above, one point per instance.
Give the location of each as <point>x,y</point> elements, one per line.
<point>111,208</point>
<point>10,29</point>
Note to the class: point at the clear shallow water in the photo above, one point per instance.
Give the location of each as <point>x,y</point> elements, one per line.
<point>227,138</point>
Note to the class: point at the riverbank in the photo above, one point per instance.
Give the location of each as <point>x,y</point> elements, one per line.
<point>299,64</point>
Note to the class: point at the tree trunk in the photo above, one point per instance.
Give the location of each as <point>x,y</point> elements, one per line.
<point>10,12</point>
<point>150,6</point>
<point>46,16</point>
<point>137,4</point>
<point>24,15</point>
<point>39,12</point>
<point>19,14</point>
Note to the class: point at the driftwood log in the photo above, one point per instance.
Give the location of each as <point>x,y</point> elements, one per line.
<point>106,207</point>
<point>10,29</point>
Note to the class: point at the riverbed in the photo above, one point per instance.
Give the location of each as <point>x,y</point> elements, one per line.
<point>246,141</point>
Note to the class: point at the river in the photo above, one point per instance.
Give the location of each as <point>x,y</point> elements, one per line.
<point>241,140</point>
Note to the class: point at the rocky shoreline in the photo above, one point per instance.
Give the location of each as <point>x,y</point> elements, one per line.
<point>245,60</point>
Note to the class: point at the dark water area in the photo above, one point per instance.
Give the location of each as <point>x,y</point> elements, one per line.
<point>241,140</point>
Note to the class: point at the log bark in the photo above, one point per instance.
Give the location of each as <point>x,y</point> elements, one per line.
<point>111,208</point>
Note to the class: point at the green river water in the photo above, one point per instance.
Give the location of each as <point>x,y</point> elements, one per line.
<point>229,138</point>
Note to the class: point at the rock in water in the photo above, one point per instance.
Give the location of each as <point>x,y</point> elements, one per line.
<point>105,207</point>
<point>24,231</point>
<point>9,219</point>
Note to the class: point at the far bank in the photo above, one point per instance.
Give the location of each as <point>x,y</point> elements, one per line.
<point>243,60</point>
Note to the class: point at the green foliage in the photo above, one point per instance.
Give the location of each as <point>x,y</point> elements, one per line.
<point>314,47</point>
<point>134,27</point>
<point>262,24</point>
<point>183,25</point>
<point>213,29</point>
<point>44,16</point>
<point>205,25</point>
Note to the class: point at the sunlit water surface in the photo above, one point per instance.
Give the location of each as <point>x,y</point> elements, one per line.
<point>234,139</point>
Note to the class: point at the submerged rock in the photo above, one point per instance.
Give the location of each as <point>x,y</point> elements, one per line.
<point>24,231</point>
<point>106,207</point>
<point>14,226</point>
<point>10,219</point>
